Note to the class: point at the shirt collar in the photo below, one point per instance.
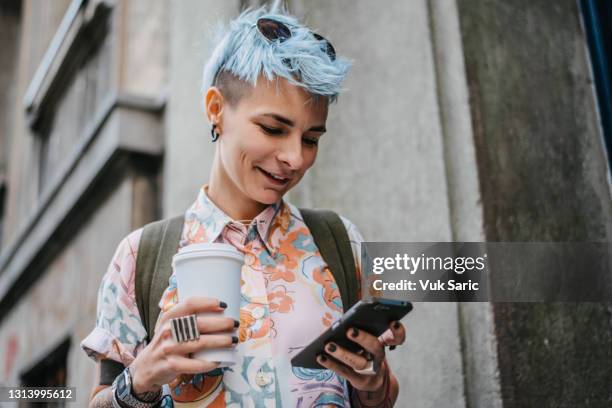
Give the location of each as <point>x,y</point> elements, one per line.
<point>204,221</point>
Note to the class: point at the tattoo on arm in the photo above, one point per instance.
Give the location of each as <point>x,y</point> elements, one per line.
<point>103,399</point>
<point>149,396</point>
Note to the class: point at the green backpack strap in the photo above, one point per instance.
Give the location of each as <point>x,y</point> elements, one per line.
<point>158,244</point>
<point>333,242</point>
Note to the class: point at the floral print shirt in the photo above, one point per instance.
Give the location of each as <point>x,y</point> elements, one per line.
<point>289,297</point>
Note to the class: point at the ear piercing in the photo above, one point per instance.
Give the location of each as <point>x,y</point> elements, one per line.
<point>214,135</point>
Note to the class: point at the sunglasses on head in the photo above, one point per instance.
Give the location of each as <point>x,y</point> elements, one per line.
<point>276,30</point>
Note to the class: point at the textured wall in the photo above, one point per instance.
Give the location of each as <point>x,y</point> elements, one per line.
<point>189,152</point>
<point>39,21</point>
<point>543,177</point>
<point>63,301</point>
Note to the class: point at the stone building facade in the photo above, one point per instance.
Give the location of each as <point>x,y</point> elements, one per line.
<point>463,120</point>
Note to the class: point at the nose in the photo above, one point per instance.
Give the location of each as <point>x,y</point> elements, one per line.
<point>290,152</point>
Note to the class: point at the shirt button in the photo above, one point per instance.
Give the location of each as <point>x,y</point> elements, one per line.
<point>262,380</point>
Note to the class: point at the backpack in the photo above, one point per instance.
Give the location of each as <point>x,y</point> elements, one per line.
<point>160,241</point>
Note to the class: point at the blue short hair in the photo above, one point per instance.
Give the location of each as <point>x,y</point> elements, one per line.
<point>244,53</point>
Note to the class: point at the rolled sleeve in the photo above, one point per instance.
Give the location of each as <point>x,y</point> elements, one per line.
<point>119,333</point>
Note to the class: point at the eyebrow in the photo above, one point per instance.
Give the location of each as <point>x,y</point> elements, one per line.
<point>290,123</point>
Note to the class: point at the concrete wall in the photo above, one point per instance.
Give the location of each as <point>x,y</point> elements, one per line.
<point>10,13</point>
<point>189,151</point>
<point>544,177</point>
<point>39,21</point>
<point>108,187</point>
<point>63,302</point>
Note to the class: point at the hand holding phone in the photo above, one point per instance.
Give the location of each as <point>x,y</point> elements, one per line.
<point>373,316</point>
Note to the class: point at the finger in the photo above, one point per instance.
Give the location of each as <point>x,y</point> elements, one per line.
<point>206,324</point>
<point>212,324</point>
<point>194,305</point>
<point>399,332</point>
<point>369,342</point>
<point>395,335</point>
<point>206,341</point>
<point>353,360</point>
<point>348,373</point>
<point>186,365</point>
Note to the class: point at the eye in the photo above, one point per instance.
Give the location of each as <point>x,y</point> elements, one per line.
<point>271,131</point>
<point>310,142</point>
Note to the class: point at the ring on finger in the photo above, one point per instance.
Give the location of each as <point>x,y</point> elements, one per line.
<point>369,369</point>
<point>184,328</point>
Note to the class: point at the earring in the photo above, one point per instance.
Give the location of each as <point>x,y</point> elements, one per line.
<point>214,135</point>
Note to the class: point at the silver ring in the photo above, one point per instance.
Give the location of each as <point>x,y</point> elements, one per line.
<point>184,328</point>
<point>368,369</point>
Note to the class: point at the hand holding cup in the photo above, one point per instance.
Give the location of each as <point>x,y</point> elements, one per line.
<point>164,359</point>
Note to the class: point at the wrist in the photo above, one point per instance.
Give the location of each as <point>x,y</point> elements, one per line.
<point>125,396</point>
<point>379,396</point>
<point>141,387</point>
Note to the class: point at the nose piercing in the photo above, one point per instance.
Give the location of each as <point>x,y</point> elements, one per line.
<point>214,135</point>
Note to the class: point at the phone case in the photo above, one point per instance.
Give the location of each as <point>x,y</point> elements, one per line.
<point>372,315</point>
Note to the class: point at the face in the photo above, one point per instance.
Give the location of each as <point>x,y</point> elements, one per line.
<point>268,140</point>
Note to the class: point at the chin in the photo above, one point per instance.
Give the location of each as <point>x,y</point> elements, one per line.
<point>267,196</point>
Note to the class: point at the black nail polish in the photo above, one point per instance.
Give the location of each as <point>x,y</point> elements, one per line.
<point>234,340</point>
<point>322,357</point>
<point>223,305</point>
<point>391,348</point>
<point>331,347</point>
<point>396,325</point>
<point>354,332</point>
<point>236,323</point>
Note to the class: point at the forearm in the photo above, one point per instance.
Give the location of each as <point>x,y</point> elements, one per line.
<point>102,399</point>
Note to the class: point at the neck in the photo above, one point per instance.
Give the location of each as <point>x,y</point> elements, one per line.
<point>231,200</point>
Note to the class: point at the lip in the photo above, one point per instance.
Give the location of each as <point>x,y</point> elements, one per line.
<point>273,180</point>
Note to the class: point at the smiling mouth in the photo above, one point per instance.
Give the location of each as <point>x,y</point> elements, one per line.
<point>274,178</point>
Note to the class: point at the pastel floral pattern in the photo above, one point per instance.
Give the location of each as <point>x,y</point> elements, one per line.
<point>288,297</point>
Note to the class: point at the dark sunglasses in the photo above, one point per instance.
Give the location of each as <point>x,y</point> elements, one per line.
<point>276,30</point>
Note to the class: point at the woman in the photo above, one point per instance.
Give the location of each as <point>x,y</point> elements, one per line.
<point>268,86</point>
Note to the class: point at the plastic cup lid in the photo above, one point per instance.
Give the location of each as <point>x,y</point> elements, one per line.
<point>212,248</point>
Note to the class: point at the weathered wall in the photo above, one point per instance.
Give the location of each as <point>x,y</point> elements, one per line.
<point>39,21</point>
<point>189,152</point>
<point>63,302</point>
<point>109,189</point>
<point>10,19</point>
<point>543,177</point>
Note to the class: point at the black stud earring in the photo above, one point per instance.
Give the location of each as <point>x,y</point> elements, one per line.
<point>214,135</point>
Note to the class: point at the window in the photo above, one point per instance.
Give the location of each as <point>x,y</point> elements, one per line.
<point>49,372</point>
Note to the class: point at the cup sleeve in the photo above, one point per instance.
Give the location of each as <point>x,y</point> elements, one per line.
<point>118,333</point>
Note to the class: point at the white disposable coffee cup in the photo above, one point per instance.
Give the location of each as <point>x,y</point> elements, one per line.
<point>211,270</point>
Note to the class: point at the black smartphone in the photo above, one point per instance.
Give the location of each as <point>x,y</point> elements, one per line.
<point>372,315</point>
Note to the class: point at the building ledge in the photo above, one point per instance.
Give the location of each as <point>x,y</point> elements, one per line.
<point>126,129</point>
